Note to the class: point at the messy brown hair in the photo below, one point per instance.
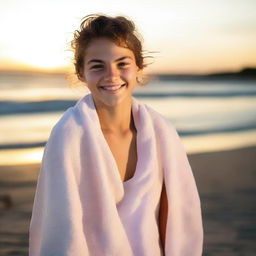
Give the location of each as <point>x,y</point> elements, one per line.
<point>119,29</point>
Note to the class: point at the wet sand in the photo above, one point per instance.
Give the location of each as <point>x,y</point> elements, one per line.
<point>227,186</point>
<point>226,182</point>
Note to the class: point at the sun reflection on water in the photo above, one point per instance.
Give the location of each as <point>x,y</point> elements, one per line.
<point>21,156</point>
<point>192,144</point>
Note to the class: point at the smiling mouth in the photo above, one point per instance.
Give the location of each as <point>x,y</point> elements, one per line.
<point>112,88</point>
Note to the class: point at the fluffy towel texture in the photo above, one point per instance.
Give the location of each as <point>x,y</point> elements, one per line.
<point>82,207</point>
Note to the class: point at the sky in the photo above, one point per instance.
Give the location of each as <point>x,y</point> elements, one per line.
<point>185,36</point>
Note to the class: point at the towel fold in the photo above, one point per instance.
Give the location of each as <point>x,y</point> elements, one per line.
<point>82,207</point>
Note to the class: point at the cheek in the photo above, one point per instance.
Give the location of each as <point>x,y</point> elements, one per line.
<point>91,77</point>
<point>130,74</point>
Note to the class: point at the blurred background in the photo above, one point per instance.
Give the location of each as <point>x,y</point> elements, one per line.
<point>203,78</point>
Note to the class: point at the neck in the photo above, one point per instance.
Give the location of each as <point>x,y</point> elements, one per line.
<point>117,119</point>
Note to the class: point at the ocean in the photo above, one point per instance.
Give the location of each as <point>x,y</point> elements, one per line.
<point>208,115</point>
<point>218,117</point>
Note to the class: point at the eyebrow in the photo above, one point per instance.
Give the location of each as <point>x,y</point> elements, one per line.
<point>101,61</point>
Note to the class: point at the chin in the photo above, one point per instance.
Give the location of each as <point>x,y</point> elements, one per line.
<point>113,102</point>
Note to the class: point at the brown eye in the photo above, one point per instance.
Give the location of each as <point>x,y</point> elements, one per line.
<point>96,67</point>
<point>123,64</point>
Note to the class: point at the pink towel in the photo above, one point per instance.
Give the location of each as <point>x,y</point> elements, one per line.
<point>82,207</point>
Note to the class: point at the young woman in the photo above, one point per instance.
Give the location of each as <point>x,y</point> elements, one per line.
<point>115,179</point>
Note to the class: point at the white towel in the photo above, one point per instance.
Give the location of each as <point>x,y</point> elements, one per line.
<point>82,207</point>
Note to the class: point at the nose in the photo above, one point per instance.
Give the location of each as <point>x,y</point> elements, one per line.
<point>112,74</point>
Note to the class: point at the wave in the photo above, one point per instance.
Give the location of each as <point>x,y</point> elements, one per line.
<point>12,107</point>
<point>21,107</point>
<point>224,94</point>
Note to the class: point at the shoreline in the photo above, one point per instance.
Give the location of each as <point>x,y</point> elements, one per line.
<point>226,185</point>
<point>198,144</point>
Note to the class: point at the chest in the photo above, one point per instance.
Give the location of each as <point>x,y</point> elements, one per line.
<point>124,151</point>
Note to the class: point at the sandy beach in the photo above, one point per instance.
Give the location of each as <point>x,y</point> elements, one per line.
<point>226,184</point>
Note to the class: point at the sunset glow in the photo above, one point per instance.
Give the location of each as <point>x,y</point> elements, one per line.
<point>188,36</point>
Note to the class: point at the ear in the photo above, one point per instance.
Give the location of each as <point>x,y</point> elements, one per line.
<point>139,72</point>
<point>139,77</point>
<point>81,76</point>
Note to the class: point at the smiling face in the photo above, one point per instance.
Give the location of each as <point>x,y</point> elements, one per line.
<point>110,72</point>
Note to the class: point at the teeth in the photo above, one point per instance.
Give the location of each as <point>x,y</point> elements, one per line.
<point>111,88</point>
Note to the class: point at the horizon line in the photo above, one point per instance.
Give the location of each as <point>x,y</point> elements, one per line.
<point>61,71</point>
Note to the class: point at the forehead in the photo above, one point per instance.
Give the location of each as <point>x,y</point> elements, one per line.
<point>106,50</point>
